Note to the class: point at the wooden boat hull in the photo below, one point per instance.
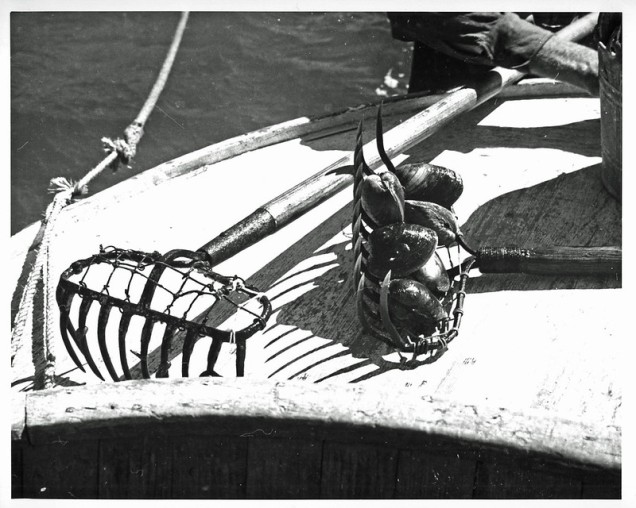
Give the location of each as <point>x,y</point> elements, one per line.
<point>524,403</point>
<point>240,438</point>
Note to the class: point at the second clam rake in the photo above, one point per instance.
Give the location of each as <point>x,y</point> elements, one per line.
<point>435,305</point>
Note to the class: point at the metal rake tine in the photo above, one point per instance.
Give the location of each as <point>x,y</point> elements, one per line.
<point>146,333</point>
<point>213,355</point>
<point>124,323</point>
<point>368,325</point>
<point>80,336</point>
<point>358,154</point>
<point>188,346</point>
<point>64,299</point>
<point>379,140</point>
<point>166,343</point>
<point>104,313</point>
<point>369,221</point>
<point>241,351</point>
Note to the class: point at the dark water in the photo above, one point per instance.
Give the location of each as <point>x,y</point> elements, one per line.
<point>76,77</point>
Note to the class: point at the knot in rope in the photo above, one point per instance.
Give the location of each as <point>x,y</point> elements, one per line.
<point>124,151</point>
<point>133,134</point>
<point>125,148</point>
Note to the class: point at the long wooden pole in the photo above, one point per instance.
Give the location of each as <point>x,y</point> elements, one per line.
<point>292,204</point>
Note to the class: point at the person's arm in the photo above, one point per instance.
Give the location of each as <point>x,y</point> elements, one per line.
<point>502,39</point>
<point>569,62</point>
<point>529,48</point>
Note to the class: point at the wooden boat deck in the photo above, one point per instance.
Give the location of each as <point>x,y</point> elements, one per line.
<point>534,352</point>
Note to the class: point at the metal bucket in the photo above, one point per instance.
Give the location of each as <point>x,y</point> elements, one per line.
<point>611,88</point>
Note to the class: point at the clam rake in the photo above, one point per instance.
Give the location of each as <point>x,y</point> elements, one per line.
<point>420,311</point>
<point>195,284</point>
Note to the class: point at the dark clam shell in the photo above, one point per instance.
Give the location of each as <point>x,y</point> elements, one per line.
<point>401,248</point>
<point>433,275</point>
<point>435,217</point>
<point>427,182</point>
<point>413,306</point>
<point>382,198</point>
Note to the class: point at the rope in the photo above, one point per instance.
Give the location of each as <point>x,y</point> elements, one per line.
<point>119,150</point>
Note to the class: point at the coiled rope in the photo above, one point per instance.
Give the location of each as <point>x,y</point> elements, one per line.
<point>119,151</point>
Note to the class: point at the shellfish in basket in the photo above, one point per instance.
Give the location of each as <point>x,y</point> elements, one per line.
<point>405,296</point>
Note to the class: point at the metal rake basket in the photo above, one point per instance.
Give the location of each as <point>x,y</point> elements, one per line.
<point>372,291</point>
<point>439,312</point>
<point>177,291</point>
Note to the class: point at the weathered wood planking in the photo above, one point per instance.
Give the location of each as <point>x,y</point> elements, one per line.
<point>209,467</point>
<point>431,474</point>
<point>192,439</point>
<point>283,468</point>
<point>137,468</point>
<point>63,469</point>
<point>256,408</point>
<point>357,471</point>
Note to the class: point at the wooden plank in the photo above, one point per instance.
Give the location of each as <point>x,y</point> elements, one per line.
<point>425,474</point>
<point>65,469</point>
<point>139,468</point>
<point>502,479</point>
<point>356,471</point>
<point>235,405</point>
<point>283,468</point>
<point>207,467</point>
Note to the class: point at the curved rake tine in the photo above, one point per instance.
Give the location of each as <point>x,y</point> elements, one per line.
<point>213,355</point>
<point>104,313</point>
<point>358,155</point>
<point>359,231</point>
<point>166,344</point>
<point>146,333</point>
<point>80,336</point>
<point>369,221</point>
<point>188,346</point>
<point>64,299</point>
<point>367,324</point>
<point>379,140</point>
<point>357,270</point>
<point>153,279</point>
<point>123,330</point>
<point>241,351</point>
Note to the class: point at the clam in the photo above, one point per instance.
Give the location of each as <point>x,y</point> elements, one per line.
<point>435,217</point>
<point>413,307</point>
<point>401,248</point>
<point>427,182</point>
<point>382,198</point>
<point>433,275</point>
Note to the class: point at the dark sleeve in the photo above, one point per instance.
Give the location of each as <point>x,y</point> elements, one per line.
<point>487,38</point>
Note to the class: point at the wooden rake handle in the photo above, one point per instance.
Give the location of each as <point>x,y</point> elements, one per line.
<point>305,196</point>
<point>550,260</point>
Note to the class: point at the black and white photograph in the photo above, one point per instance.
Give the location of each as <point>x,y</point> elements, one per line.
<point>316,252</point>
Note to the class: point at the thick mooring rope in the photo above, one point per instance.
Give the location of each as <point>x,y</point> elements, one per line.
<point>119,150</point>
